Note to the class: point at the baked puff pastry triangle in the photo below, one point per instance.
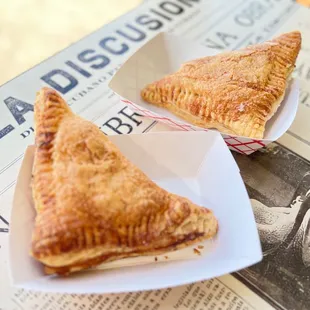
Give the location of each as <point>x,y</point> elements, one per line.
<point>234,92</point>
<point>93,205</point>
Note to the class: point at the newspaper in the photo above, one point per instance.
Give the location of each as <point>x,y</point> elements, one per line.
<point>277,178</point>
<point>278,181</point>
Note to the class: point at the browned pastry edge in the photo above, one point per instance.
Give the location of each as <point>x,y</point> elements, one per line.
<point>189,240</point>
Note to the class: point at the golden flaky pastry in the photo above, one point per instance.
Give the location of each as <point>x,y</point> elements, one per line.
<point>235,92</point>
<point>92,204</point>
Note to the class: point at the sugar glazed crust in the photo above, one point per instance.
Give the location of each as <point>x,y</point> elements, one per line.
<point>235,92</point>
<point>92,204</point>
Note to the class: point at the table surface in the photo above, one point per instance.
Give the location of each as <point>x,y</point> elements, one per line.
<point>33,30</point>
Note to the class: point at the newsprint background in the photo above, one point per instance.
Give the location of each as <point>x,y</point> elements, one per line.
<point>277,178</point>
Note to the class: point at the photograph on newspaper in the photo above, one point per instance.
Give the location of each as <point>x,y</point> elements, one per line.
<point>278,183</point>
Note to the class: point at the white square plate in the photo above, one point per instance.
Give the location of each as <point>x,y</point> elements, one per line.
<point>197,165</point>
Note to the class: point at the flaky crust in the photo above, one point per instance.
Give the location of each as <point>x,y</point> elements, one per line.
<point>92,204</point>
<point>235,92</point>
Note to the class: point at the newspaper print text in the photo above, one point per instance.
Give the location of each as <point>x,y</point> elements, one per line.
<point>97,57</point>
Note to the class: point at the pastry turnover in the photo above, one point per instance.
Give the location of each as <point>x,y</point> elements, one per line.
<point>235,92</point>
<point>93,205</point>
